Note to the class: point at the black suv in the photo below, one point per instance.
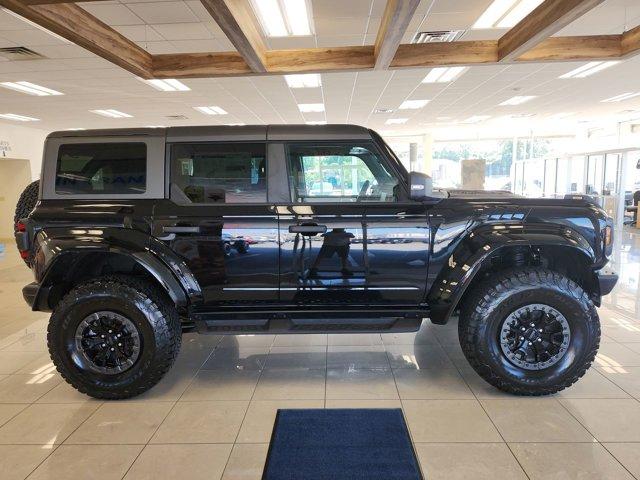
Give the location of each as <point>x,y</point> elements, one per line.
<point>137,235</point>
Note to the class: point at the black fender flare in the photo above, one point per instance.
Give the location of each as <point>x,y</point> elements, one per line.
<point>59,253</point>
<point>486,241</point>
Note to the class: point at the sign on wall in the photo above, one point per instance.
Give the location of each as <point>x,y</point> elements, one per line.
<point>5,147</point>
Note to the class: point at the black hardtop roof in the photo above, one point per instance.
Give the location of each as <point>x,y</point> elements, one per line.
<point>229,133</point>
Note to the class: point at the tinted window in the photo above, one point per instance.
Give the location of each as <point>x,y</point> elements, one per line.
<point>102,168</point>
<point>339,173</point>
<point>218,173</point>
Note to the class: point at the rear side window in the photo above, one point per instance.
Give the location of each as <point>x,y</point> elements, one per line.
<point>218,173</point>
<point>102,169</point>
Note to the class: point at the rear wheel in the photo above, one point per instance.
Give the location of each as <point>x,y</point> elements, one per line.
<point>114,337</point>
<point>529,331</point>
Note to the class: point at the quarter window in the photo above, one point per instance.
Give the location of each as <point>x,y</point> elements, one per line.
<point>102,168</point>
<point>339,173</point>
<point>218,173</point>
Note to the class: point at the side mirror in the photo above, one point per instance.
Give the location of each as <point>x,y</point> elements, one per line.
<point>421,185</point>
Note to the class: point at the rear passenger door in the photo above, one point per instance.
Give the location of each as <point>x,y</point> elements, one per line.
<point>218,220</point>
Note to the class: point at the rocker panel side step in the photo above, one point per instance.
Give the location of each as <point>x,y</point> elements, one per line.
<point>308,322</point>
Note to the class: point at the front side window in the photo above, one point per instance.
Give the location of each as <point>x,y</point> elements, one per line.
<point>218,173</point>
<point>339,173</point>
<point>102,169</point>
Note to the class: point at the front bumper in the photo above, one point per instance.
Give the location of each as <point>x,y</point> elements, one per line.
<point>606,282</point>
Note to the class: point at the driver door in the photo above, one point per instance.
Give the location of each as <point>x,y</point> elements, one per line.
<point>341,194</point>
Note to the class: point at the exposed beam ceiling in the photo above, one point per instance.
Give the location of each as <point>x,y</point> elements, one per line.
<point>393,26</point>
<point>548,18</point>
<point>77,25</point>
<point>80,27</point>
<point>237,22</point>
<point>631,42</point>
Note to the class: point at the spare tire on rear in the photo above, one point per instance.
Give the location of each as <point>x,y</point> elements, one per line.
<point>26,204</point>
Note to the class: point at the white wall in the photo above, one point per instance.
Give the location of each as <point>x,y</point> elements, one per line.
<point>22,143</point>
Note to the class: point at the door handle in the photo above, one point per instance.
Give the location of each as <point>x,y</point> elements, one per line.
<point>179,229</point>
<point>308,229</point>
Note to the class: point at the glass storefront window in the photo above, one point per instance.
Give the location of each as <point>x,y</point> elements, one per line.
<point>550,169</point>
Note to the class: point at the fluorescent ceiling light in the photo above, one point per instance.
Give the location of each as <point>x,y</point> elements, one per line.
<point>239,124</point>
<point>75,129</point>
<point>318,122</point>
<point>111,113</point>
<point>212,110</point>
<point>517,100</point>
<point>505,13</point>
<point>283,18</point>
<point>166,85</point>
<point>396,121</point>
<point>494,13</point>
<point>18,118</point>
<point>477,119</point>
<point>35,25</point>
<point>588,69</point>
<point>30,88</point>
<point>311,80</point>
<point>412,104</point>
<point>620,98</point>
<point>311,107</point>
<point>156,126</point>
<point>443,74</point>
<point>517,13</point>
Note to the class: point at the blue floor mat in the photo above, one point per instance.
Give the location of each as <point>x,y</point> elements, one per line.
<point>341,444</point>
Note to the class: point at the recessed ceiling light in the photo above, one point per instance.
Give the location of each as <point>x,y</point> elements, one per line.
<point>412,104</point>
<point>517,13</point>
<point>30,88</point>
<point>396,121</point>
<point>111,113</point>
<point>212,110</point>
<point>443,74</point>
<point>588,69</point>
<point>283,18</point>
<point>517,100</point>
<point>477,119</point>
<point>18,118</point>
<point>166,85</point>
<point>311,80</point>
<point>505,13</point>
<point>620,98</point>
<point>311,107</point>
<point>318,122</point>
<point>33,24</point>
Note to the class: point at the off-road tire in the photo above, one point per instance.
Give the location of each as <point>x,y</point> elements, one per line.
<point>492,301</point>
<point>26,203</point>
<point>154,316</point>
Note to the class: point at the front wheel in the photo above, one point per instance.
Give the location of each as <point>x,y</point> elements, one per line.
<point>530,331</point>
<point>114,337</point>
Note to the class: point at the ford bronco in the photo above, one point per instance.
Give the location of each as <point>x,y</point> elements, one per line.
<point>137,235</point>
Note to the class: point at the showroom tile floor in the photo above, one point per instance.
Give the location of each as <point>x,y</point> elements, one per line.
<point>211,417</point>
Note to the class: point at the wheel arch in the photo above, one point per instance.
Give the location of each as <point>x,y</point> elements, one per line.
<point>486,252</point>
<point>62,263</point>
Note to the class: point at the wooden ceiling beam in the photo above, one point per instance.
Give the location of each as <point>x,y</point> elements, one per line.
<point>446,53</point>
<point>631,42</point>
<point>547,19</point>
<point>31,3</point>
<point>393,26</point>
<point>236,20</point>
<point>80,27</point>
<point>589,48</point>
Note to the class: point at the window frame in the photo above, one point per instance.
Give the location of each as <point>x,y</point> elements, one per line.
<point>375,148</point>
<point>155,172</point>
<point>168,170</point>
